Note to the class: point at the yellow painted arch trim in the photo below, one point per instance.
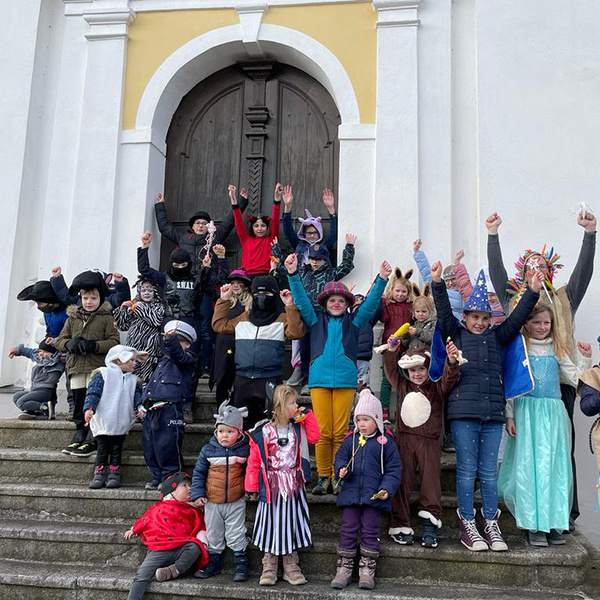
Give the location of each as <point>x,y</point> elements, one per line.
<point>347,30</point>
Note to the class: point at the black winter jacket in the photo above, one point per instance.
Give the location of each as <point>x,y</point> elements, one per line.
<point>479,394</point>
<point>188,240</point>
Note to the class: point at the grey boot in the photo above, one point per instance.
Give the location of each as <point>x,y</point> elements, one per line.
<point>366,568</point>
<point>345,564</point>
<point>99,478</point>
<point>114,477</point>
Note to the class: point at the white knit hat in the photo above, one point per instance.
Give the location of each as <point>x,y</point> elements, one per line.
<point>368,405</point>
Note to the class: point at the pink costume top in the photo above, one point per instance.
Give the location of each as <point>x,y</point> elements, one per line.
<point>285,475</point>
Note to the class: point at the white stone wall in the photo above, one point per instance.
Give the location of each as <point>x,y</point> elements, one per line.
<point>481,106</point>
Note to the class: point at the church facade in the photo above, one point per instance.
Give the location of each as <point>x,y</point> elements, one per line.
<point>423,116</point>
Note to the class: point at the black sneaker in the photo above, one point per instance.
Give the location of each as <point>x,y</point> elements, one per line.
<point>448,444</point>
<point>152,485</point>
<point>71,447</point>
<point>404,539</point>
<point>85,449</point>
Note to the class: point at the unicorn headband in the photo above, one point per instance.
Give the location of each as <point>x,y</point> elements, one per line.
<point>309,219</point>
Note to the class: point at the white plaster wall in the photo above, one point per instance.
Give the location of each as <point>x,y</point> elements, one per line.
<point>30,54</point>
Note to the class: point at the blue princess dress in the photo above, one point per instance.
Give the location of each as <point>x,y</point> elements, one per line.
<point>535,477</point>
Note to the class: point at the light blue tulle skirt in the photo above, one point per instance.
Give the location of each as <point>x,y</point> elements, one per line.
<point>536,478</point>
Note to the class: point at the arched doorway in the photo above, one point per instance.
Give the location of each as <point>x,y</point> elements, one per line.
<point>251,124</point>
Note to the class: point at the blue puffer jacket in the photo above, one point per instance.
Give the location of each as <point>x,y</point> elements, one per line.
<point>172,378</point>
<point>334,340</point>
<point>47,371</point>
<point>55,321</point>
<point>479,393</point>
<point>375,467</point>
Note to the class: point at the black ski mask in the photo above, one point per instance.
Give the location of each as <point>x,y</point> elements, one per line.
<point>266,303</point>
<point>180,256</point>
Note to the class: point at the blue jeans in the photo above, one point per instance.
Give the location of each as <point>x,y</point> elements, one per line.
<point>477,444</point>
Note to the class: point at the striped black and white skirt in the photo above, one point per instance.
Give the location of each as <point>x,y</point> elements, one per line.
<point>282,526</point>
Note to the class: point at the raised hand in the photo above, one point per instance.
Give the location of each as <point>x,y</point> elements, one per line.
<point>147,239</point>
<point>288,197</point>
<point>417,245</point>
<point>118,277</point>
<point>537,281</point>
<point>385,269</point>
<point>492,223</point>
<point>244,193</point>
<point>160,198</point>
<point>436,271</point>
<point>286,297</point>
<point>231,191</point>
<point>329,200</point>
<point>587,221</point>
<point>585,349</point>
<point>459,256</point>
<point>219,250</point>
<point>291,263</point>
<point>350,238</point>
<point>226,292</point>
<point>278,194</point>
<point>56,271</point>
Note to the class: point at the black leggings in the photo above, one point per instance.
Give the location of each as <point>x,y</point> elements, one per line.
<point>109,446</point>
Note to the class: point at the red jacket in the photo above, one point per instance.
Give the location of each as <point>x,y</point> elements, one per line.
<point>393,316</point>
<point>256,252</point>
<point>170,524</point>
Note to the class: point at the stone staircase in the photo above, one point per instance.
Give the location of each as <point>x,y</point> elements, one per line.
<point>61,540</point>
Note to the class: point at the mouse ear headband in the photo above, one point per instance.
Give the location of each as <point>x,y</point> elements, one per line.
<point>253,219</point>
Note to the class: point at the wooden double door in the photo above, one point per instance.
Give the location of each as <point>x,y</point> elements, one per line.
<point>251,124</point>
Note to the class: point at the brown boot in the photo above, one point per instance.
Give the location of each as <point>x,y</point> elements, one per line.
<point>291,570</point>
<point>345,564</point>
<point>269,572</point>
<point>166,573</point>
<point>366,568</point>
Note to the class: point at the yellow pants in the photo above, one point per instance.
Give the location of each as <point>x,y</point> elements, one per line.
<point>332,407</point>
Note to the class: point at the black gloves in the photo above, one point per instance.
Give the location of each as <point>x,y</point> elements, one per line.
<point>81,346</point>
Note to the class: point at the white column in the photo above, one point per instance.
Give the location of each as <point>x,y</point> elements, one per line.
<point>96,172</point>
<point>18,50</point>
<point>396,205</point>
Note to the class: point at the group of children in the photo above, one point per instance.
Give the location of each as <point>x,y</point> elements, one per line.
<point>463,360</point>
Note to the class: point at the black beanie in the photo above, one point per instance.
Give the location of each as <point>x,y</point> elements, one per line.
<point>199,215</point>
<point>265,283</point>
<point>179,255</point>
<point>89,280</point>
<point>47,347</point>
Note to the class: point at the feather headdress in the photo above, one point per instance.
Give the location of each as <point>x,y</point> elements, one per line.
<point>548,255</point>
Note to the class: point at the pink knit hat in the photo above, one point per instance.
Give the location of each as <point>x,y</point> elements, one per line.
<point>368,405</point>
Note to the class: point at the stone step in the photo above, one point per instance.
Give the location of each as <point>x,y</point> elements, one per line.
<point>57,434</point>
<point>78,502</point>
<point>43,581</point>
<point>103,545</point>
<point>44,465</point>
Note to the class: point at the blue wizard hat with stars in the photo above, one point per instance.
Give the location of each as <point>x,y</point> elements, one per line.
<point>478,300</point>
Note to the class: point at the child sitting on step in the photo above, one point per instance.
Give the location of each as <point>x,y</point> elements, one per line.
<point>37,402</point>
<point>173,531</point>
<point>218,485</point>
<point>278,467</point>
<point>112,395</point>
<point>369,468</point>
<point>418,426</point>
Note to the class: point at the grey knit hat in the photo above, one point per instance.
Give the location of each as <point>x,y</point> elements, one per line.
<point>231,416</point>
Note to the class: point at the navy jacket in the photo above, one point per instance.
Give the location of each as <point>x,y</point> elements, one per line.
<point>590,400</point>
<point>172,378</point>
<point>366,337</point>
<point>365,476</point>
<point>301,247</point>
<point>479,394</point>
<point>55,321</point>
